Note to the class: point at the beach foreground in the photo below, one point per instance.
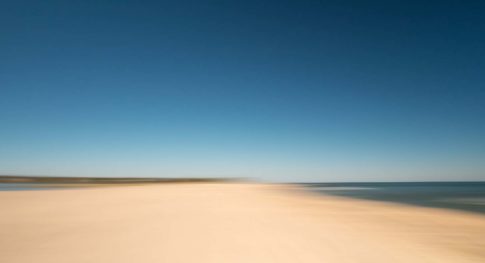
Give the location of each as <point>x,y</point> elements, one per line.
<point>228,222</point>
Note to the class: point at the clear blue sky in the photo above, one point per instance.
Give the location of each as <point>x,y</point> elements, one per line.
<point>277,90</point>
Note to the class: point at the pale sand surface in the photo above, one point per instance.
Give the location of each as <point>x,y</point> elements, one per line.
<point>228,223</point>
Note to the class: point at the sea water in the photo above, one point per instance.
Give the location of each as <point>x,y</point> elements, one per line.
<point>25,186</point>
<point>467,196</point>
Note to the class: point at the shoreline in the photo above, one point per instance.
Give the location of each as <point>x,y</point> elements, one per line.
<point>228,222</point>
<point>108,180</point>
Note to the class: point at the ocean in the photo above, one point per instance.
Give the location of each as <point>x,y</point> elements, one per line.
<point>26,186</point>
<point>465,196</point>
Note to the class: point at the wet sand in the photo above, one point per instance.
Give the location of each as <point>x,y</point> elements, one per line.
<point>203,222</point>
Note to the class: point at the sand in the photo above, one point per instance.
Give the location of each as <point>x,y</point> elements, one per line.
<point>228,223</point>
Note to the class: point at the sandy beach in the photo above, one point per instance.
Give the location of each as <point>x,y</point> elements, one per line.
<point>228,222</point>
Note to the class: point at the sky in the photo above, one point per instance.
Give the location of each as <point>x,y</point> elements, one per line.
<point>271,90</point>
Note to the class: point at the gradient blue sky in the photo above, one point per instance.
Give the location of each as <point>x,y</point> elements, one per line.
<point>277,90</point>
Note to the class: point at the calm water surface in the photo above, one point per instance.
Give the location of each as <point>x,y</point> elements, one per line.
<point>27,186</point>
<point>467,196</point>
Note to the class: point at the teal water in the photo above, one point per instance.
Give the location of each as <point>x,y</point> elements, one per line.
<point>26,186</point>
<point>465,196</point>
